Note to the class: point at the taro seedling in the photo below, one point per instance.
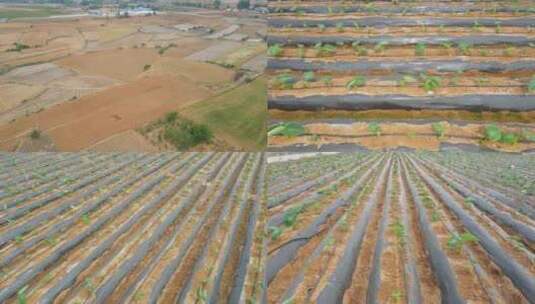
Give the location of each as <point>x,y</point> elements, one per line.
<point>301,51</point>
<point>21,295</point>
<point>439,129</point>
<point>430,83</point>
<point>493,133</point>
<point>456,241</point>
<point>509,138</point>
<point>464,48</point>
<point>275,232</point>
<point>321,27</point>
<point>324,49</point>
<point>374,128</point>
<point>476,27</point>
<point>327,80</point>
<point>85,219</point>
<point>380,47</point>
<point>531,85</point>
<point>309,76</point>
<point>509,51</point>
<point>419,49</point>
<point>498,27</point>
<point>285,81</point>
<point>339,27</point>
<point>275,50</point>
<point>405,80</point>
<point>287,129</point>
<point>356,82</point>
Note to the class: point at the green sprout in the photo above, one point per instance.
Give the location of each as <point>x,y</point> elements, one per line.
<point>531,85</point>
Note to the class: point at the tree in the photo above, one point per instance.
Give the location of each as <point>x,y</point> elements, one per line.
<point>244,4</point>
<point>217,3</point>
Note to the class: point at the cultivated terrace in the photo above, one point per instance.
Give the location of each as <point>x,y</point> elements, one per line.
<point>416,61</point>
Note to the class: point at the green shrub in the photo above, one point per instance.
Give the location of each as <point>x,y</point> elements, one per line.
<point>35,134</point>
<point>146,67</point>
<point>186,134</point>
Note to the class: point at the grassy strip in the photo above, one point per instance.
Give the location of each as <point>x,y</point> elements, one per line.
<point>237,116</point>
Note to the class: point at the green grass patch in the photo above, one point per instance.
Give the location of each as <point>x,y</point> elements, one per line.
<point>237,116</point>
<point>34,12</point>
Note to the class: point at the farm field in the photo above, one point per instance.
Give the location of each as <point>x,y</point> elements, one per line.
<point>400,227</point>
<point>132,227</point>
<point>328,60</point>
<point>85,81</point>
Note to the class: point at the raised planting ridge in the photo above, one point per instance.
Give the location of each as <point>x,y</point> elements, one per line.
<point>401,227</point>
<point>132,228</point>
<point>471,56</point>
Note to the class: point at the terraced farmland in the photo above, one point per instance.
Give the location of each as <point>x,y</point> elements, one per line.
<point>401,227</point>
<point>413,61</point>
<point>131,228</point>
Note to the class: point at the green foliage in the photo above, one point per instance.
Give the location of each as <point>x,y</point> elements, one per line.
<point>287,129</point>
<point>324,49</point>
<point>357,81</point>
<point>493,133</point>
<point>309,76</point>
<point>456,241</point>
<point>185,134</point>
<point>21,295</point>
<point>464,48</point>
<point>275,50</point>
<point>439,129</point>
<point>171,117</point>
<point>406,79</point>
<point>399,231</point>
<point>374,128</point>
<point>509,138</point>
<point>430,83</point>
<point>202,295</point>
<point>380,47</point>
<point>419,49</point>
<point>327,80</point>
<point>531,85</point>
<point>528,135</point>
<point>285,81</point>
<point>290,217</point>
<point>275,232</point>
<point>85,219</point>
